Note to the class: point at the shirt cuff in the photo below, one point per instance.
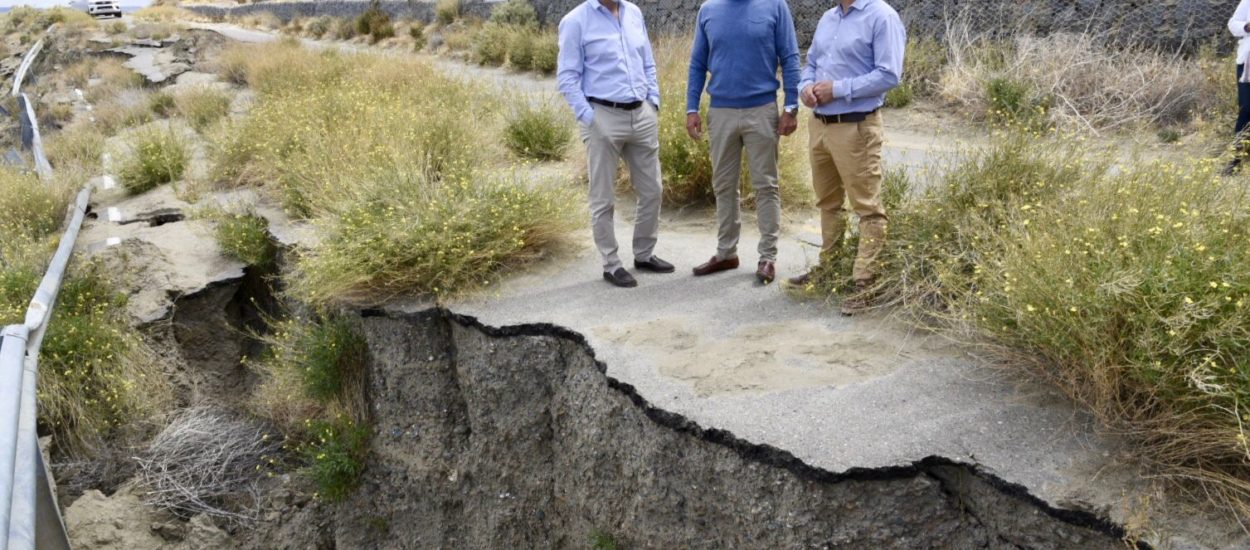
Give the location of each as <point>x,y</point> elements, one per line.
<point>842,90</point>
<point>587,116</point>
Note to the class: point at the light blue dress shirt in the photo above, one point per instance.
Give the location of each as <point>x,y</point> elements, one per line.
<point>861,52</point>
<point>605,57</point>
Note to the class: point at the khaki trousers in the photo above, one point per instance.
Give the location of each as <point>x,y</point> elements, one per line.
<point>846,162</point>
<point>729,132</point>
<point>635,136</point>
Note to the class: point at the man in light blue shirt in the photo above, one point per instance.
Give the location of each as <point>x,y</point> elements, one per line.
<point>606,72</point>
<point>743,43</point>
<point>855,58</point>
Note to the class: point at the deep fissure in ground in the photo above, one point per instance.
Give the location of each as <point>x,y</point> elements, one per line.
<point>516,437</point>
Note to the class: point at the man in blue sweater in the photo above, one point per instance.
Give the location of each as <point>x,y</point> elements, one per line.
<point>742,43</point>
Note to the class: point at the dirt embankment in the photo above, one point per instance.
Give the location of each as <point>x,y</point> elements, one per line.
<point>511,438</point>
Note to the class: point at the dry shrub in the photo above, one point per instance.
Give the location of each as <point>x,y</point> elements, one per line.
<point>208,461</point>
<point>1082,82</point>
<point>113,78</point>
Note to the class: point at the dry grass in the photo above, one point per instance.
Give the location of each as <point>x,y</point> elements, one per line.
<point>1126,288</point>
<point>376,153</point>
<point>203,106</point>
<point>113,79</point>
<point>1078,80</point>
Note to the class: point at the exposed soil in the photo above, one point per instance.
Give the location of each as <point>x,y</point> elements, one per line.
<point>507,438</point>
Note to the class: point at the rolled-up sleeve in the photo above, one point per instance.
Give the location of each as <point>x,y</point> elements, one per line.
<point>889,40</point>
<point>569,67</point>
<point>1241,16</point>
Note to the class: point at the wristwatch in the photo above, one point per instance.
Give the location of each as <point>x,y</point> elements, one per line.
<point>792,110</point>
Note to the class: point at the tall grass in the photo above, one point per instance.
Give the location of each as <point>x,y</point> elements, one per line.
<point>539,132</point>
<point>157,156</point>
<point>96,377</point>
<point>385,157</point>
<point>686,164</point>
<point>1127,288</point>
<point>1084,82</point>
<point>311,387</point>
<point>203,106</point>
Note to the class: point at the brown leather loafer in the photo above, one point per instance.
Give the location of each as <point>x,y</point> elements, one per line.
<point>715,265</point>
<point>766,272</point>
<point>800,280</point>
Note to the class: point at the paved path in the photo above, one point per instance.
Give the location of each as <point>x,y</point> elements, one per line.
<point>838,393</point>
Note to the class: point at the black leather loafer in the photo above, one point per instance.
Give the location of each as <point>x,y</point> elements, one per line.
<point>621,278</point>
<point>656,265</point>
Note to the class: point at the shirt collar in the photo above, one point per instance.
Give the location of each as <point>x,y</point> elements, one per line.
<point>594,4</point>
<point>858,5</point>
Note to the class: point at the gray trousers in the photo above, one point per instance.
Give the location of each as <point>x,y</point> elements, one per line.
<point>729,132</point>
<point>634,136</point>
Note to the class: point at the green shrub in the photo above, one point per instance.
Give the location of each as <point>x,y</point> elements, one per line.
<point>600,540</point>
<point>31,209</point>
<point>1169,135</point>
<point>157,156</point>
<point>347,29</point>
<point>375,23</point>
<point>336,456</point>
<point>331,352</point>
<point>96,376</point>
<point>546,53</point>
<point>443,242</point>
<point>203,107</point>
<point>1014,101</point>
<point>246,238</point>
<point>490,45</point>
<point>161,103</point>
<point>515,13</point>
<point>318,27</point>
<point>923,66</point>
<point>417,33</point>
<point>899,97</point>
<point>447,12</point>
<point>539,133</point>
<point>521,49</point>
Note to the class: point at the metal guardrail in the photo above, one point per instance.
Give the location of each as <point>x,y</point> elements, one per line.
<point>20,75</point>
<point>29,516</point>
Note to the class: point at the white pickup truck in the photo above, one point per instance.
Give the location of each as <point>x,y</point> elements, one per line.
<point>104,8</point>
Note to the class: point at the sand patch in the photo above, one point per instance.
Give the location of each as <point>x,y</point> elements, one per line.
<point>772,357</point>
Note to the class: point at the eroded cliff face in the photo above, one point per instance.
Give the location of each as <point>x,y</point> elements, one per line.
<point>516,438</point>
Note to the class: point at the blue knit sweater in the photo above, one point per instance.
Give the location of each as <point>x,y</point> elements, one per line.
<point>742,42</point>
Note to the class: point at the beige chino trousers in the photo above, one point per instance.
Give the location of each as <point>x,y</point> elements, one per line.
<point>634,136</point>
<point>730,131</point>
<point>846,162</point>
